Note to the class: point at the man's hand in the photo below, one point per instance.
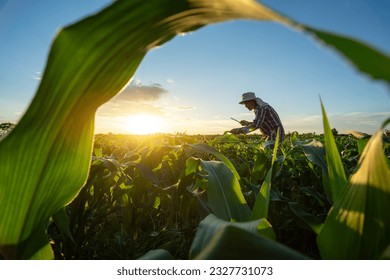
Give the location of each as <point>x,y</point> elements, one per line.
<point>245,123</point>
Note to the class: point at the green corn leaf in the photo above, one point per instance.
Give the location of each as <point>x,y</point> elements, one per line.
<point>211,224</point>
<point>224,192</point>
<point>218,239</point>
<point>357,226</point>
<point>386,253</point>
<point>158,254</point>
<point>336,174</point>
<point>315,153</point>
<point>260,208</point>
<point>363,57</point>
<point>311,221</point>
<point>361,139</point>
<point>211,150</point>
<point>226,139</point>
<point>62,221</point>
<point>259,170</point>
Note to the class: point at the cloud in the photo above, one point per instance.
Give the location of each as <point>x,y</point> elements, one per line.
<point>181,108</point>
<point>137,92</point>
<point>135,99</point>
<point>128,108</point>
<point>37,76</point>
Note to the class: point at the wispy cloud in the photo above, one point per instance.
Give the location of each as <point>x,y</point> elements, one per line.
<point>128,108</point>
<point>135,99</point>
<point>180,108</point>
<point>136,92</point>
<point>37,76</point>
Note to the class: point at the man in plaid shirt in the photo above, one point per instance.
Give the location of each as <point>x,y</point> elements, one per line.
<point>267,120</point>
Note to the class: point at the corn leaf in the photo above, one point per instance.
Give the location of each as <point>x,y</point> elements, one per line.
<point>357,226</point>
<point>224,192</point>
<point>361,139</point>
<point>260,208</point>
<point>309,220</point>
<point>260,167</point>
<point>363,57</point>
<point>202,147</point>
<point>158,254</point>
<point>386,253</point>
<point>315,153</point>
<point>336,174</point>
<point>218,239</point>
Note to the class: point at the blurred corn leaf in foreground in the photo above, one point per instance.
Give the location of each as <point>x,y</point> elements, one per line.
<point>363,57</point>
<point>358,225</point>
<point>45,159</point>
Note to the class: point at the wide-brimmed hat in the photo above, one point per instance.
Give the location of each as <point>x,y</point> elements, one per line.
<point>247,96</point>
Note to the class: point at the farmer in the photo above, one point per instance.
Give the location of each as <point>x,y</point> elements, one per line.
<point>266,118</point>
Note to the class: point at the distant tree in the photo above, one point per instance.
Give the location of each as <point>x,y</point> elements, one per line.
<point>335,132</point>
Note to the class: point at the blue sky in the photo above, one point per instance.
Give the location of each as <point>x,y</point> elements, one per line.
<point>193,83</point>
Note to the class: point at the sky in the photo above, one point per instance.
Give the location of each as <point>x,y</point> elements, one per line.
<point>193,83</point>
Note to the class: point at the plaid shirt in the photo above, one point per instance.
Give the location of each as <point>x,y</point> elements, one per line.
<point>268,121</point>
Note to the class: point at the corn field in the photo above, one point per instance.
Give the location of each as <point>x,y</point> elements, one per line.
<point>165,193</point>
<point>66,193</point>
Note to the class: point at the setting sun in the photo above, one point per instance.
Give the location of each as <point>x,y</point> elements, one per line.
<point>143,124</point>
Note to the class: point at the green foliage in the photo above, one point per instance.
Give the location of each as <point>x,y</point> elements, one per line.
<point>357,226</point>
<point>224,192</point>
<point>336,174</point>
<point>148,195</point>
<point>217,239</point>
<point>260,208</point>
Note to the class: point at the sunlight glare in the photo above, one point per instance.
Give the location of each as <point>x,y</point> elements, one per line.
<point>143,124</point>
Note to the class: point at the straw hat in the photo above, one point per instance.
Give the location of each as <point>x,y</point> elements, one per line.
<point>247,96</point>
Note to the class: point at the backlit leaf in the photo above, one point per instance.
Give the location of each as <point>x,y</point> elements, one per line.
<point>211,150</point>
<point>357,226</point>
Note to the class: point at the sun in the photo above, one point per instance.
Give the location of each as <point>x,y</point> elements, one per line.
<point>143,124</point>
